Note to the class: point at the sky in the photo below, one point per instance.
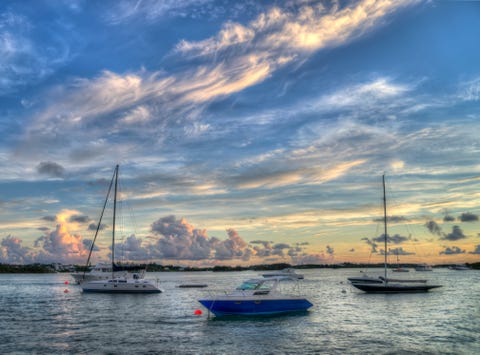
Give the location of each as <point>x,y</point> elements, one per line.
<point>246,131</point>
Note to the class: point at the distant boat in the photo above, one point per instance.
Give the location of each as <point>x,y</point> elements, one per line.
<point>288,272</point>
<point>399,268</point>
<point>256,297</point>
<point>115,283</point>
<point>103,271</point>
<point>459,267</point>
<point>389,285</point>
<point>423,267</point>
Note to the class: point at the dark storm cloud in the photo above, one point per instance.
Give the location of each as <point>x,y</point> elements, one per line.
<point>456,234</point>
<point>468,217</point>
<point>49,218</point>
<point>51,169</point>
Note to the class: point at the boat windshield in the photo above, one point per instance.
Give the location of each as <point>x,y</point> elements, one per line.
<point>255,285</point>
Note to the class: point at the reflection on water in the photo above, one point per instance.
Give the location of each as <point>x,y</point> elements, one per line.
<point>36,315</point>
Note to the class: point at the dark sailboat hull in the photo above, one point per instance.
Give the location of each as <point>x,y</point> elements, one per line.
<point>394,288</point>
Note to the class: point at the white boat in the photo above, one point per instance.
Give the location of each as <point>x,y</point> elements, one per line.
<point>103,271</point>
<point>459,267</point>
<point>389,285</point>
<point>256,297</point>
<point>115,283</point>
<point>288,272</point>
<point>423,267</point>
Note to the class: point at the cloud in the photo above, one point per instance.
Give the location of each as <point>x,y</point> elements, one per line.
<point>330,250</point>
<point>51,169</point>
<point>393,219</point>
<point>372,244</point>
<point>61,246</point>
<point>238,57</point>
<point>399,251</point>
<point>452,251</point>
<point>456,234</point>
<point>476,250</point>
<point>79,219</point>
<point>12,252</point>
<point>25,61</point>
<point>448,218</point>
<point>180,240</point>
<point>93,226</point>
<point>125,10</point>
<point>395,239</point>
<point>468,217</point>
<point>434,228</point>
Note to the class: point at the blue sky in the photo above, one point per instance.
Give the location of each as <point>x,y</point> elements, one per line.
<point>246,131</point>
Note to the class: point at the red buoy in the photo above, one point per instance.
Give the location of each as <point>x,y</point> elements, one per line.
<point>66,282</point>
<point>197,312</point>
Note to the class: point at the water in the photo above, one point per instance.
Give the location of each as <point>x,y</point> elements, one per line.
<point>37,316</point>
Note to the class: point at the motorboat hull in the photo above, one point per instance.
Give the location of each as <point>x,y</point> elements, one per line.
<point>251,307</point>
<point>393,288</point>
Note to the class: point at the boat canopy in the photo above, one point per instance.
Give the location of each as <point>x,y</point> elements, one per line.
<point>128,267</point>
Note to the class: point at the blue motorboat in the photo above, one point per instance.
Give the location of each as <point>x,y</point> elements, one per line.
<point>256,297</point>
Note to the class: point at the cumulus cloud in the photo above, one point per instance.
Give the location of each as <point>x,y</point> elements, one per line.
<point>51,169</point>
<point>456,234</point>
<point>62,246</point>
<point>452,251</point>
<point>468,217</point>
<point>12,252</point>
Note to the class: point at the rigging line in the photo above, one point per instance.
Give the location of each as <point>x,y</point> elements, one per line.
<point>99,223</point>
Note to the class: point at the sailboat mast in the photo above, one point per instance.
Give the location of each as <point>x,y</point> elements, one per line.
<point>114,218</point>
<point>385,222</point>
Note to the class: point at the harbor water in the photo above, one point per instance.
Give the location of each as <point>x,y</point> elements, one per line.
<point>43,315</point>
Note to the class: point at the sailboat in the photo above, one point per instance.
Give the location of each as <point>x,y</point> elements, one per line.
<point>399,268</point>
<point>117,284</point>
<point>391,285</point>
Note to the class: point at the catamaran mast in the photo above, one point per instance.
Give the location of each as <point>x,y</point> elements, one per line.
<point>385,223</point>
<point>99,224</point>
<point>114,218</point>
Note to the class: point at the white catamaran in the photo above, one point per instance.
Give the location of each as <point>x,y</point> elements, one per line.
<point>123,283</point>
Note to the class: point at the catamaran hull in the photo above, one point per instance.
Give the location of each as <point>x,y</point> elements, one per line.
<point>394,288</point>
<point>255,307</point>
<point>114,287</point>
